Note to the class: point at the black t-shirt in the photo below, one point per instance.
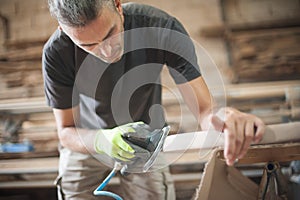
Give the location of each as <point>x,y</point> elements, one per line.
<point>130,89</point>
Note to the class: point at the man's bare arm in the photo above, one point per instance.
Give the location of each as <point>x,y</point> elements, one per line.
<point>71,137</point>
<point>197,97</point>
<point>240,128</point>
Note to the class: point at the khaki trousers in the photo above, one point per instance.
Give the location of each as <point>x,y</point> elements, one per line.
<point>80,174</point>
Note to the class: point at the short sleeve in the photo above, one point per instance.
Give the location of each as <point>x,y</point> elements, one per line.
<point>166,34</point>
<point>59,78</point>
<point>181,57</point>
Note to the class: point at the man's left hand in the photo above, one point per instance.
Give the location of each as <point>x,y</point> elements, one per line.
<point>240,129</point>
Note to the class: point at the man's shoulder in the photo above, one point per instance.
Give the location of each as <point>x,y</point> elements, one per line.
<point>59,42</point>
<point>142,13</point>
<point>59,52</point>
<point>143,9</point>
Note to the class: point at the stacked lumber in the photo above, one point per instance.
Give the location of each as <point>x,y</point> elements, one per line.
<point>22,102</point>
<point>21,72</point>
<point>22,96</point>
<point>37,126</point>
<point>265,55</point>
<point>274,102</point>
<point>24,28</point>
<point>263,14</point>
<point>262,39</point>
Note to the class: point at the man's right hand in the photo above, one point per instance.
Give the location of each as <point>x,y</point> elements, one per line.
<point>110,142</point>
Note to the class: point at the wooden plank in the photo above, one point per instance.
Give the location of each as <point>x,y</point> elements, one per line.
<point>247,14</point>
<point>50,164</point>
<point>208,140</point>
<point>24,43</point>
<point>24,78</point>
<point>34,165</point>
<point>27,184</point>
<point>24,105</point>
<point>41,123</point>
<point>9,67</point>
<point>266,153</point>
<point>41,184</point>
<point>246,91</point>
<point>41,116</point>
<point>265,55</point>
<point>178,179</point>
<point>30,155</point>
<point>214,31</point>
<point>21,92</point>
<point>32,53</point>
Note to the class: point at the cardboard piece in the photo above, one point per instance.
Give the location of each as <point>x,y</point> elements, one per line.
<point>220,181</point>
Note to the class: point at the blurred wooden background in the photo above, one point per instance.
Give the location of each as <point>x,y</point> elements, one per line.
<point>253,63</point>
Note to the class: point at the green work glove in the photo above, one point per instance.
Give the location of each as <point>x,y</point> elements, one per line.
<point>110,142</point>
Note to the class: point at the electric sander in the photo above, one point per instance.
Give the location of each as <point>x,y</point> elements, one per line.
<point>147,143</point>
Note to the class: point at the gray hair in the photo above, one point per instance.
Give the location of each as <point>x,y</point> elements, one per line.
<point>77,13</point>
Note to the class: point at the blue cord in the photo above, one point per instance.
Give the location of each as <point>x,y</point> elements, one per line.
<point>99,192</point>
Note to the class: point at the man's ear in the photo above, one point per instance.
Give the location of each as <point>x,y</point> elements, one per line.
<point>119,9</point>
<point>118,6</point>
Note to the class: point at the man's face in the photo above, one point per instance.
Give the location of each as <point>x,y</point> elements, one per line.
<point>103,37</point>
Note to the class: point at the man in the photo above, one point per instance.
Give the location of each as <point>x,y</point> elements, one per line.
<point>100,81</point>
